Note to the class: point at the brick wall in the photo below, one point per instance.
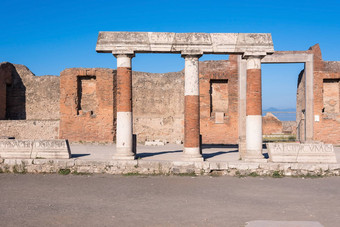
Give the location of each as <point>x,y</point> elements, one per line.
<point>87,106</point>
<point>326,88</point>
<point>326,104</point>
<point>225,73</point>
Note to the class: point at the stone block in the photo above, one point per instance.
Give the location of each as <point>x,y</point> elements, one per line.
<point>301,153</point>
<point>10,149</point>
<point>34,149</point>
<point>50,149</point>
<point>219,118</point>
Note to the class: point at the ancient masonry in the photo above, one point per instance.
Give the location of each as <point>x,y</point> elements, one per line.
<point>252,47</point>
<point>87,105</point>
<point>209,102</point>
<point>84,106</point>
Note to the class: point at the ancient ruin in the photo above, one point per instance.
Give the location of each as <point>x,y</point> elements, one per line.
<point>211,102</point>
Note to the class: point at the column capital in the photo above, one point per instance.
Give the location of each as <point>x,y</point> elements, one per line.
<point>253,62</point>
<point>124,60</point>
<point>123,55</point>
<point>259,55</point>
<point>191,54</point>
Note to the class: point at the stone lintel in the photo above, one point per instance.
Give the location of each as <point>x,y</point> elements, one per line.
<point>166,42</point>
<point>288,57</point>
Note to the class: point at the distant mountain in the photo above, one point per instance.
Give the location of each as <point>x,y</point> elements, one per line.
<point>273,109</point>
<point>282,114</point>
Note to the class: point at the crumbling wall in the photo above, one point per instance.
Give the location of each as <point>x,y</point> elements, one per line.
<point>31,97</point>
<point>87,104</point>
<point>326,98</point>
<point>289,127</point>
<point>271,125</point>
<point>29,104</point>
<point>158,106</point>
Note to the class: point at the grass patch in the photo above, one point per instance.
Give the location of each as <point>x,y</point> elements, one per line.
<point>64,171</point>
<point>253,174</point>
<point>277,174</point>
<point>17,169</point>
<point>131,174</point>
<point>190,174</point>
<point>80,174</point>
<point>279,139</point>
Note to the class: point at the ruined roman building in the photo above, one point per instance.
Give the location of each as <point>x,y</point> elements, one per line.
<point>82,104</point>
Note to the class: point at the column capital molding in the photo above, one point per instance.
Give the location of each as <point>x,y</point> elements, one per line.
<point>191,54</point>
<point>258,55</point>
<point>125,54</point>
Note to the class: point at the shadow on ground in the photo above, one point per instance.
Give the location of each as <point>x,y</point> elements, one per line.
<point>144,155</point>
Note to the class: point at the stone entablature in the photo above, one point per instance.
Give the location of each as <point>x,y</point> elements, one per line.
<point>185,43</point>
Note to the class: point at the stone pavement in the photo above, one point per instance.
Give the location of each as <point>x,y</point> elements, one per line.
<point>111,200</point>
<point>219,160</point>
<point>168,152</point>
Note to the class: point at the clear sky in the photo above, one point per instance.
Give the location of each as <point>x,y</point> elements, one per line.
<point>48,36</point>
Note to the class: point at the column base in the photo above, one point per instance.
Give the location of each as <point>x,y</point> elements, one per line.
<point>123,153</point>
<point>192,154</point>
<point>254,156</point>
<point>123,157</point>
<point>242,148</point>
<point>261,160</point>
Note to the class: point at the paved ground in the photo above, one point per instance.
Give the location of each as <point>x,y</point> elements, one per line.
<point>170,152</point>
<point>106,200</point>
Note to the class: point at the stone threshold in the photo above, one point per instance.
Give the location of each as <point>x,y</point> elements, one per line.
<point>154,167</point>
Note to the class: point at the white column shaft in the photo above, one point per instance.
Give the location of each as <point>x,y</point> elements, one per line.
<point>124,133</point>
<point>123,60</point>
<point>191,75</point>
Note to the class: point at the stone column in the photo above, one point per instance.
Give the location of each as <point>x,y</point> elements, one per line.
<point>124,142</point>
<point>309,119</point>
<point>254,110</point>
<point>242,89</point>
<point>192,110</point>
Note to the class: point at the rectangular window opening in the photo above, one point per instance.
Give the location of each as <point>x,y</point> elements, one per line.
<point>87,95</point>
<point>219,98</point>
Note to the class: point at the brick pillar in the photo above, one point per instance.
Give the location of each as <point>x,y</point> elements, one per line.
<point>254,110</point>
<point>124,138</point>
<point>192,110</point>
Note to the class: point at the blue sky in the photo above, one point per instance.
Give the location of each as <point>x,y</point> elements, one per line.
<point>49,36</point>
